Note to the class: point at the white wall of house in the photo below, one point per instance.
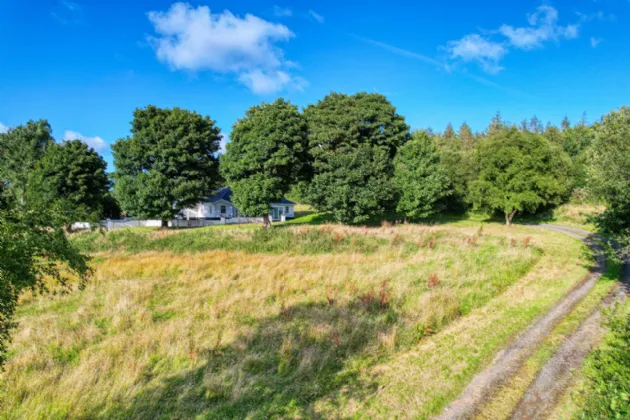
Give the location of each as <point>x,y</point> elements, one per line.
<point>226,209</point>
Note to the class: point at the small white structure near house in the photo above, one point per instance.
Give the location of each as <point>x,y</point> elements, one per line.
<point>220,206</point>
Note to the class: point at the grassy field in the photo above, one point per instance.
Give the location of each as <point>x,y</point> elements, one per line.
<point>295,322</point>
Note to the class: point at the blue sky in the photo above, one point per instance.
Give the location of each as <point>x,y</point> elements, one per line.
<point>85,65</point>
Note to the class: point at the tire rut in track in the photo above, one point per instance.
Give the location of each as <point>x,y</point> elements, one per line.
<point>555,376</point>
<point>508,361</point>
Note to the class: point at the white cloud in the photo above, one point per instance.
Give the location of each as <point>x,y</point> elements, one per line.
<point>224,140</point>
<point>3,128</point>
<point>316,16</point>
<point>595,41</point>
<point>96,143</point>
<point>194,39</point>
<point>474,47</point>
<point>488,51</point>
<point>282,11</point>
<point>262,82</point>
<point>544,27</point>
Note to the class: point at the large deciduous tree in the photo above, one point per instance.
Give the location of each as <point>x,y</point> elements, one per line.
<point>610,157</point>
<point>420,178</point>
<point>168,164</point>
<point>352,141</point>
<point>20,148</point>
<point>266,155</point>
<point>73,175</point>
<point>33,250</point>
<point>519,171</point>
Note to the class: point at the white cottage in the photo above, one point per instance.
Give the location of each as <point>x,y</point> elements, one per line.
<point>221,206</point>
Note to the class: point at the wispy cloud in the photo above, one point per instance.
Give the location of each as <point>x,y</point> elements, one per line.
<point>96,142</point>
<point>67,12</point>
<point>434,62</point>
<point>282,11</point>
<point>316,16</point>
<point>3,128</point>
<point>595,41</point>
<point>489,49</point>
<point>194,39</point>
<point>399,51</point>
<point>476,48</point>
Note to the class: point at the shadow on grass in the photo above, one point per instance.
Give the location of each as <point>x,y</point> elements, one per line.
<point>281,368</point>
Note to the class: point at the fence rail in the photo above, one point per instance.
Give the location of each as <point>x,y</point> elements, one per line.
<point>110,224</point>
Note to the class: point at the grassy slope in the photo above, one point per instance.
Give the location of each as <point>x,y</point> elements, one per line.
<point>291,323</point>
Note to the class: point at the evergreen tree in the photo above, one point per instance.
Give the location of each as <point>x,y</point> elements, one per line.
<point>421,180</point>
<point>466,137</point>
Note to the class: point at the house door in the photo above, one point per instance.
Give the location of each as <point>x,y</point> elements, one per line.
<point>275,214</point>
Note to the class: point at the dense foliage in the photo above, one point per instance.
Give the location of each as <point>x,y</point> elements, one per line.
<point>608,375</point>
<point>168,164</point>
<point>20,149</point>
<point>72,175</point>
<point>33,250</point>
<point>352,141</point>
<point>519,171</point>
<point>422,182</point>
<point>611,168</point>
<point>266,155</point>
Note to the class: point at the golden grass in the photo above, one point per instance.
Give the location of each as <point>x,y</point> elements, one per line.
<point>233,334</point>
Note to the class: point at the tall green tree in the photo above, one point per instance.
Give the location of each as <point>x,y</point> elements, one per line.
<point>267,154</point>
<point>421,180</point>
<point>20,148</point>
<point>467,137</point>
<point>73,175</point>
<point>168,164</point>
<point>352,141</point>
<point>33,250</point>
<point>519,171</point>
<point>610,175</point>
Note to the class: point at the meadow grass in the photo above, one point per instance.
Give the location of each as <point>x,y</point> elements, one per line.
<point>300,321</point>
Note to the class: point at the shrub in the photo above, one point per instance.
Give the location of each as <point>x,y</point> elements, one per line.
<point>608,374</point>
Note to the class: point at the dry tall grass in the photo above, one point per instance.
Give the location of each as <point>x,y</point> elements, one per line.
<point>292,334</point>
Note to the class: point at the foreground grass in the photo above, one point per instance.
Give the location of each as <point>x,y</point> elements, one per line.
<point>303,321</point>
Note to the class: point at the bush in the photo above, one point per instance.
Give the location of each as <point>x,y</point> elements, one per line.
<point>608,375</point>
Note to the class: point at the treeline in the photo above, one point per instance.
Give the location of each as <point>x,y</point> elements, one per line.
<point>353,156</point>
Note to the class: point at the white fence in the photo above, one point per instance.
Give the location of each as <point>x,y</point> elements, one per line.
<point>110,224</point>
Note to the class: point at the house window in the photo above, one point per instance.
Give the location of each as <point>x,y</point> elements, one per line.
<point>286,210</point>
<point>222,209</point>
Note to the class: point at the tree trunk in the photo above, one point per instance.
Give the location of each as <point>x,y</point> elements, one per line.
<point>509,216</point>
<point>266,222</point>
<point>164,224</point>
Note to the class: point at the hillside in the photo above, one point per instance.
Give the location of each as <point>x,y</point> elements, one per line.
<point>294,322</point>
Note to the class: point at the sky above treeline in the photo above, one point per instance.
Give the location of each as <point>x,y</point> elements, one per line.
<point>85,65</point>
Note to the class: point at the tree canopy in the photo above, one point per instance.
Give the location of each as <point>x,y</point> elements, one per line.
<point>20,149</point>
<point>73,174</point>
<point>519,171</point>
<point>610,158</point>
<point>352,141</point>
<point>168,164</point>
<point>420,178</point>
<point>33,248</point>
<point>266,155</point>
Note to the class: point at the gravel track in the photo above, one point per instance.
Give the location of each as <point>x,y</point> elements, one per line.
<point>555,376</point>
<point>508,361</point>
